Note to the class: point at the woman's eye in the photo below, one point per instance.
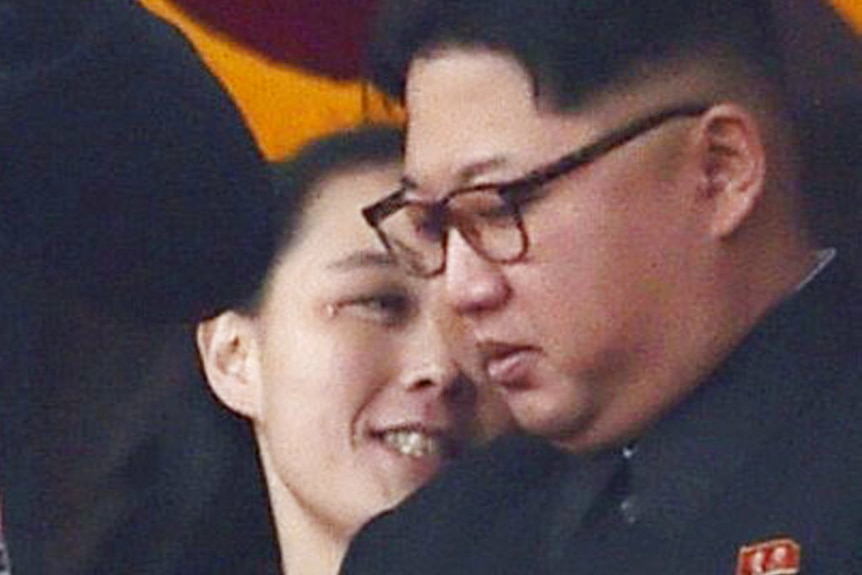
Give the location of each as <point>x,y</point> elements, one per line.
<point>383,308</point>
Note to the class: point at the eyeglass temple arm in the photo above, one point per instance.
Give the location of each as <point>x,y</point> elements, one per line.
<point>617,139</point>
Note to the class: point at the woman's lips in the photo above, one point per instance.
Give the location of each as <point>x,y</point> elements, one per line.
<point>411,454</point>
<point>417,441</point>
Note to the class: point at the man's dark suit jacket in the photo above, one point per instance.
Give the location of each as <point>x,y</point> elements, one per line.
<point>768,449</point>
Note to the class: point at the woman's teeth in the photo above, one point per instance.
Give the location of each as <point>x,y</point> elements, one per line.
<point>412,443</point>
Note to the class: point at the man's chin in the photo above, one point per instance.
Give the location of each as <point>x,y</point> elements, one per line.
<point>550,422</point>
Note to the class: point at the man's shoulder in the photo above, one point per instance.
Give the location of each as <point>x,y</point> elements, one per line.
<point>464,501</point>
<point>817,332</point>
<point>505,470</point>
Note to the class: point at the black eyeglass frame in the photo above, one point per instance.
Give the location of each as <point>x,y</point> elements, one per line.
<point>375,213</point>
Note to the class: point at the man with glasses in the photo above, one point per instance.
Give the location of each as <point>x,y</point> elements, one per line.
<point>607,193</point>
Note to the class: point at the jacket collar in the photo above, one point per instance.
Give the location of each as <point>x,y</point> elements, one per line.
<point>773,375</point>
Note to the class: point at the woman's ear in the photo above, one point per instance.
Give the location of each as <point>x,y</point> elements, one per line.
<point>733,166</point>
<point>228,351</point>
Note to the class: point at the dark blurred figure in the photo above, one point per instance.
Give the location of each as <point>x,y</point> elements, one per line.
<point>824,71</point>
<point>131,196</point>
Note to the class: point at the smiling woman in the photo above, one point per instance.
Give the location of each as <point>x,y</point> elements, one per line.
<point>342,362</point>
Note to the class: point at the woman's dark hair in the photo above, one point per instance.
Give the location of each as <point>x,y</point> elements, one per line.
<point>294,178</point>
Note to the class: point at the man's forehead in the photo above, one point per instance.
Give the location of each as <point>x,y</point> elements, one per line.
<point>473,116</point>
<point>469,111</point>
<point>433,80</point>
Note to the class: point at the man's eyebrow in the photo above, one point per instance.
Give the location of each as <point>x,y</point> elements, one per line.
<point>466,174</point>
<point>474,169</point>
<point>363,259</point>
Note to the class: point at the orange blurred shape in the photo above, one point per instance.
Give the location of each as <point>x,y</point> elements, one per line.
<point>852,12</point>
<point>284,106</point>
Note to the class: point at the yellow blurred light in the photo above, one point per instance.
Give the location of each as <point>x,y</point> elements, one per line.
<point>284,106</point>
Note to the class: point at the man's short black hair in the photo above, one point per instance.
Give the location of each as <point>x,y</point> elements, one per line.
<point>574,48</point>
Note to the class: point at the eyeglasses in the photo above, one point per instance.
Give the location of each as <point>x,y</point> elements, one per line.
<point>489,216</point>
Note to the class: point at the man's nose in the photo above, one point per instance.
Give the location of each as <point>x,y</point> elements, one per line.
<point>473,285</point>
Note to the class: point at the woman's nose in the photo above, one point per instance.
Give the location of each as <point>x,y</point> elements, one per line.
<point>452,386</point>
<point>432,365</point>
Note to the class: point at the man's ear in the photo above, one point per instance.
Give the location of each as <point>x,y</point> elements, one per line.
<point>733,166</point>
<point>228,351</point>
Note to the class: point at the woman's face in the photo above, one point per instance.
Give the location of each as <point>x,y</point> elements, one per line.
<point>359,399</point>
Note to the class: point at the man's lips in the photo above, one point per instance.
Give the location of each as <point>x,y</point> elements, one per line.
<point>507,364</point>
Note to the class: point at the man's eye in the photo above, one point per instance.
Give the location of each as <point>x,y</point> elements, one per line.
<point>496,211</point>
<point>488,206</point>
<point>521,196</point>
<point>429,224</point>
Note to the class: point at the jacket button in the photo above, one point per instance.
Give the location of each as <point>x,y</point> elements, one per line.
<point>630,510</point>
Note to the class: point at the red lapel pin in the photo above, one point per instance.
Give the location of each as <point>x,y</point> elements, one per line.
<point>775,557</point>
